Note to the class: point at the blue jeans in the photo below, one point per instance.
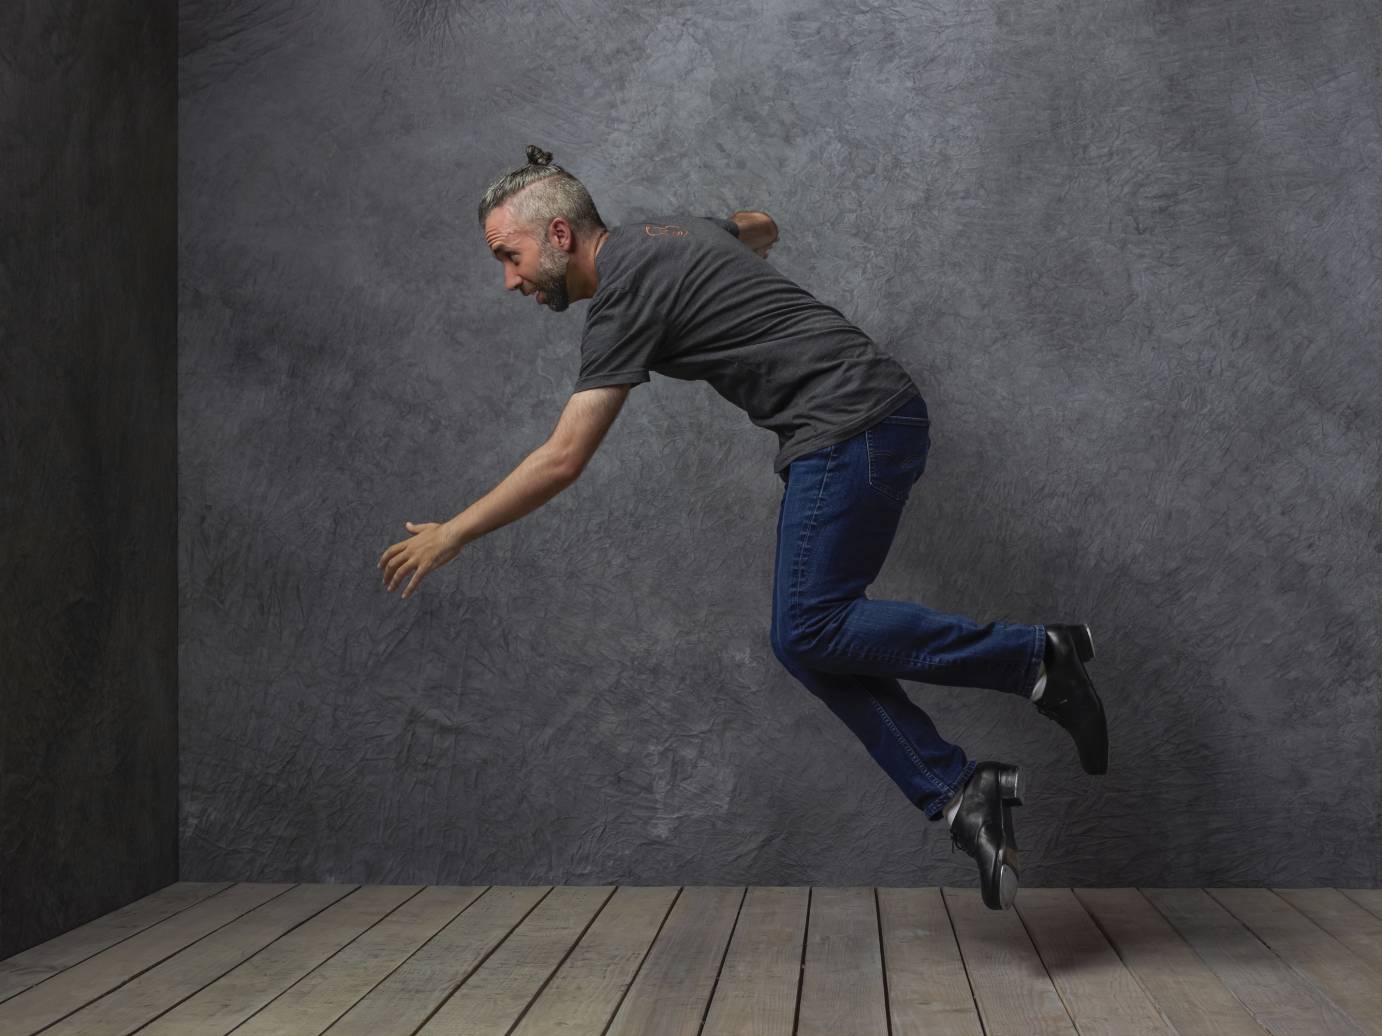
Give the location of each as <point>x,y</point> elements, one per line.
<point>840,509</point>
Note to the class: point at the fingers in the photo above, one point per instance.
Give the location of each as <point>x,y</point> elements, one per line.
<point>393,577</point>
<point>408,591</point>
<point>398,561</point>
<point>396,568</point>
<point>383,558</point>
<point>396,574</point>
<point>393,553</point>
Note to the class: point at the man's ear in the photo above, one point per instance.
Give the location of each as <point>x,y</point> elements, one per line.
<point>559,234</point>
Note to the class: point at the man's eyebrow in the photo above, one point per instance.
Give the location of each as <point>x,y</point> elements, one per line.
<point>496,249</point>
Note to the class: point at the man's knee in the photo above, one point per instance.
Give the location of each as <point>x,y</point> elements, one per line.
<point>798,647</point>
<point>779,649</point>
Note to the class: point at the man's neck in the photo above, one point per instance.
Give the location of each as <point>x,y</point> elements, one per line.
<point>593,283</point>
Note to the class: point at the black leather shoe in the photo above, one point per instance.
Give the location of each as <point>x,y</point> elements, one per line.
<point>983,829</point>
<point>1069,697</point>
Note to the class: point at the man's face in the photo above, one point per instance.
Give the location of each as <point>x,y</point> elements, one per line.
<point>533,266</point>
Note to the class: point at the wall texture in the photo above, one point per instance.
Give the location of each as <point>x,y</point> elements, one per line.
<point>1128,250</point>
<point>88,462</point>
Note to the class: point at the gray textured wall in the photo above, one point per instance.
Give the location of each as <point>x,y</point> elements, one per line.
<point>88,462</point>
<point>1129,251</point>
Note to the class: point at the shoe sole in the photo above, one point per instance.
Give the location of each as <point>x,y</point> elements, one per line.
<point>1009,861</point>
<point>1007,886</point>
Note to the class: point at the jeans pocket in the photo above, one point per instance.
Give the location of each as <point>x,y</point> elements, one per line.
<point>897,447</point>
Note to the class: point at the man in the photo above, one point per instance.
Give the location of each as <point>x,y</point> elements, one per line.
<point>689,297</point>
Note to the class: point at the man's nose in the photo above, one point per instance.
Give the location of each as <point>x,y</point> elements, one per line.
<point>511,280</point>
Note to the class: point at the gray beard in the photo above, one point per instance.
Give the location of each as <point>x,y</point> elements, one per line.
<point>552,265</point>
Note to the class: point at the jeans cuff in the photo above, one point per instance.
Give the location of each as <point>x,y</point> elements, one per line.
<point>1034,663</point>
<point>936,807</point>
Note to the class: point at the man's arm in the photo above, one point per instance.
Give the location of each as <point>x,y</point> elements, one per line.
<point>584,422</point>
<point>757,230</point>
<point>550,468</point>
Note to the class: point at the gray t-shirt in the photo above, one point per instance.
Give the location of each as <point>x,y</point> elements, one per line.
<point>683,297</point>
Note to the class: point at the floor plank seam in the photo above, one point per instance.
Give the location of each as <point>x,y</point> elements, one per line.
<point>560,964</point>
<point>1046,968</point>
<point>643,960</point>
<point>132,934</point>
<point>1108,938</point>
<point>1354,899</point>
<point>161,961</point>
<point>238,964</point>
<point>402,963</point>
<point>387,975</point>
<point>481,962</point>
<point>883,963</point>
<point>964,964</point>
<point>1231,988</point>
<point>719,970</point>
<point>801,966</point>
<point>1311,980</point>
<point>307,974</point>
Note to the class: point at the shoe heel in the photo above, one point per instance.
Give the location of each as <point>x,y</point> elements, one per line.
<point>1009,839</point>
<point>1084,642</point>
<point>1008,785</point>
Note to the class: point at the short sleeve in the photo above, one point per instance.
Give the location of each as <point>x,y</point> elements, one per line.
<point>622,335</point>
<point>728,224</point>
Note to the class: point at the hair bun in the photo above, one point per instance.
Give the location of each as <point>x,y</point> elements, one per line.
<point>536,156</point>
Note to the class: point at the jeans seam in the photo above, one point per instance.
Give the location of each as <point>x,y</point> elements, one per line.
<point>804,548</point>
<point>906,744</point>
<point>896,498</point>
<point>938,807</point>
<point>887,656</point>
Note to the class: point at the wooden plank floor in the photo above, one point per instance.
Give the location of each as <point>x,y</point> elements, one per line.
<point>300,960</point>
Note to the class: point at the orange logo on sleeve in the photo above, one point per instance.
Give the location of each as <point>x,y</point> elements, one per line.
<point>664,230</point>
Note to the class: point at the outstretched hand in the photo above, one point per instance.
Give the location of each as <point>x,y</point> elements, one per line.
<point>433,545</point>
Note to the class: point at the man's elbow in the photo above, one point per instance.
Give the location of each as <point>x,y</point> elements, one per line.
<point>757,230</point>
<point>753,221</point>
<point>565,464</point>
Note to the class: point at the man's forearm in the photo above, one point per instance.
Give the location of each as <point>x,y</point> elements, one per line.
<point>539,476</point>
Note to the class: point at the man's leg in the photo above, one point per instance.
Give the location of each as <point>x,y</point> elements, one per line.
<point>897,733</point>
<point>834,531</point>
<point>840,511</point>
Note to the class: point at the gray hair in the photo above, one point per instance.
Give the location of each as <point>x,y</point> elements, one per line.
<point>557,193</point>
